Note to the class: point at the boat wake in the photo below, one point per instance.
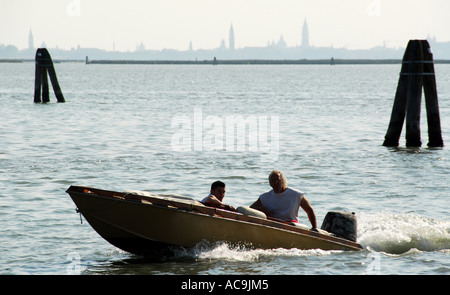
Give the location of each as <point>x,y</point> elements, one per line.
<point>385,232</point>
<point>395,233</point>
<point>221,251</point>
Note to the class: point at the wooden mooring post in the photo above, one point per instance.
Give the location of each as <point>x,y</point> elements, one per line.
<point>44,66</point>
<point>417,72</point>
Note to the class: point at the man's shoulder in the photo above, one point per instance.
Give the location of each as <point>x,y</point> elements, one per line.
<point>205,199</point>
<point>266,194</point>
<point>294,191</point>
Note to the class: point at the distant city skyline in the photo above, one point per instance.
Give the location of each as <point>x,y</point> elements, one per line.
<point>272,50</point>
<point>204,24</point>
<point>141,46</point>
<point>304,37</point>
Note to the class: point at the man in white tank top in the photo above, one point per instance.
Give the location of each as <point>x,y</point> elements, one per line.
<point>282,202</point>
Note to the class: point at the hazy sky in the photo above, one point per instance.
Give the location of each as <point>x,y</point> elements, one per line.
<point>173,24</point>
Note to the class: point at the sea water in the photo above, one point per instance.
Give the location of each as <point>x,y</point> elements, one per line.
<point>174,129</point>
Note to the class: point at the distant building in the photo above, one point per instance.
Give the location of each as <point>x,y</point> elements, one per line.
<point>140,47</point>
<point>222,45</point>
<point>281,43</point>
<point>30,41</point>
<point>305,35</point>
<point>231,40</point>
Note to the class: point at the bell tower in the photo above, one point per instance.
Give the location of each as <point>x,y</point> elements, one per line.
<point>231,38</point>
<point>305,35</point>
<point>30,41</point>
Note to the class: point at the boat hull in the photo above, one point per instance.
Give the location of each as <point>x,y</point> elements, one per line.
<point>144,226</point>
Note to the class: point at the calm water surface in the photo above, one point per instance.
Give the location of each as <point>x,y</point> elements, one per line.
<point>120,129</point>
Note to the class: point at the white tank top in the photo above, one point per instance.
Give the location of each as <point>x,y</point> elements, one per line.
<point>283,206</point>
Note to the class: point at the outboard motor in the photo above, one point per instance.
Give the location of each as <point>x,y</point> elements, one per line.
<point>342,224</point>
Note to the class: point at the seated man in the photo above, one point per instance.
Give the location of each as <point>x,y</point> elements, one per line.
<point>214,199</point>
<point>282,202</point>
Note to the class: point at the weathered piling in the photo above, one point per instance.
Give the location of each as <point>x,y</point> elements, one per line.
<point>44,66</point>
<point>417,73</point>
<point>431,101</point>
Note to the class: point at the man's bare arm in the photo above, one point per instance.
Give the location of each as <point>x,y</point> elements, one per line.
<point>309,211</point>
<point>259,206</point>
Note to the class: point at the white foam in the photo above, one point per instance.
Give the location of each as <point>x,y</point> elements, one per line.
<point>398,233</point>
<point>387,232</point>
<point>223,251</point>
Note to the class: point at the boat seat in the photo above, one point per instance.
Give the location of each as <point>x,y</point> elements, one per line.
<point>299,225</point>
<point>251,212</point>
<point>169,197</point>
<point>141,193</point>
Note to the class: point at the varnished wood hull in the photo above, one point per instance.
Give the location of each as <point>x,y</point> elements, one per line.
<point>149,225</point>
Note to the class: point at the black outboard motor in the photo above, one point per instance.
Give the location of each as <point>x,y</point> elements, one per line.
<point>342,224</point>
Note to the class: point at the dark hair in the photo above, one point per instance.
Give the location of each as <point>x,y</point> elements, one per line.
<point>217,184</point>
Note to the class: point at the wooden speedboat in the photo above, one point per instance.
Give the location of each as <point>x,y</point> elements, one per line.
<point>145,223</point>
